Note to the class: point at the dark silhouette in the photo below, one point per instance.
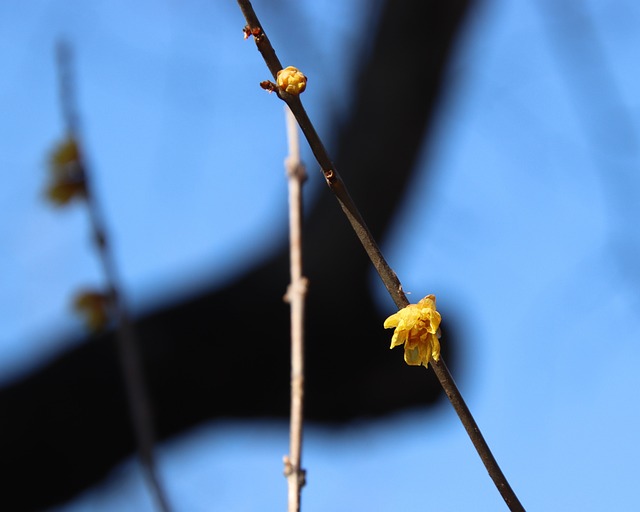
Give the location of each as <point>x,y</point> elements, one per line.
<point>225,353</point>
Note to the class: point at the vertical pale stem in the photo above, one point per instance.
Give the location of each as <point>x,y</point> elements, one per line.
<point>295,296</point>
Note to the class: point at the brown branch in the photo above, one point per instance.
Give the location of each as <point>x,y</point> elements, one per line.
<point>388,276</point>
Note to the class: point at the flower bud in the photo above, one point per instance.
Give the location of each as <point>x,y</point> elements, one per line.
<point>291,80</point>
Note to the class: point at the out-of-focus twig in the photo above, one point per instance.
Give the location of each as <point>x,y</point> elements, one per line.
<point>139,405</point>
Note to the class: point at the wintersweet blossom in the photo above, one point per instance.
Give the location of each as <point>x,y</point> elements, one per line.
<point>417,326</point>
<point>291,80</point>
<point>94,307</point>
<point>66,178</point>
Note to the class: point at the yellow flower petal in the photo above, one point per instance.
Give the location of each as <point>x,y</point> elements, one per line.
<point>392,321</point>
<point>398,338</point>
<point>412,357</point>
<point>66,152</point>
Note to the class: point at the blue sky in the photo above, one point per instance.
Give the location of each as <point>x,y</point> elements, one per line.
<point>526,230</point>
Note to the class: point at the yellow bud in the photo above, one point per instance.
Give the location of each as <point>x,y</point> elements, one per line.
<point>291,80</point>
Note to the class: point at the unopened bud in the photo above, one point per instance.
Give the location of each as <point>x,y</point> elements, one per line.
<point>291,80</point>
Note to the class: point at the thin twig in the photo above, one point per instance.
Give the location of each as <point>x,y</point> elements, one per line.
<point>139,405</point>
<point>385,272</point>
<point>296,297</point>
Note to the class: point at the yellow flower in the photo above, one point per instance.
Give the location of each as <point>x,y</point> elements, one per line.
<point>67,152</point>
<point>417,326</point>
<point>94,307</point>
<point>291,80</point>
<point>62,192</point>
<point>66,179</point>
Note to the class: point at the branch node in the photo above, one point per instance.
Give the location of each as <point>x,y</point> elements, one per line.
<point>299,288</point>
<point>295,169</point>
<point>330,176</point>
<point>290,469</point>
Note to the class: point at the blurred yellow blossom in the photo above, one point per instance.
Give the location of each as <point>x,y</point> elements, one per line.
<point>291,80</point>
<point>65,153</point>
<point>94,307</point>
<point>417,326</point>
<point>66,179</point>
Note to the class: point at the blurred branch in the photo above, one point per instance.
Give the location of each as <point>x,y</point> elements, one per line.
<point>138,401</point>
<point>336,185</point>
<point>609,128</point>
